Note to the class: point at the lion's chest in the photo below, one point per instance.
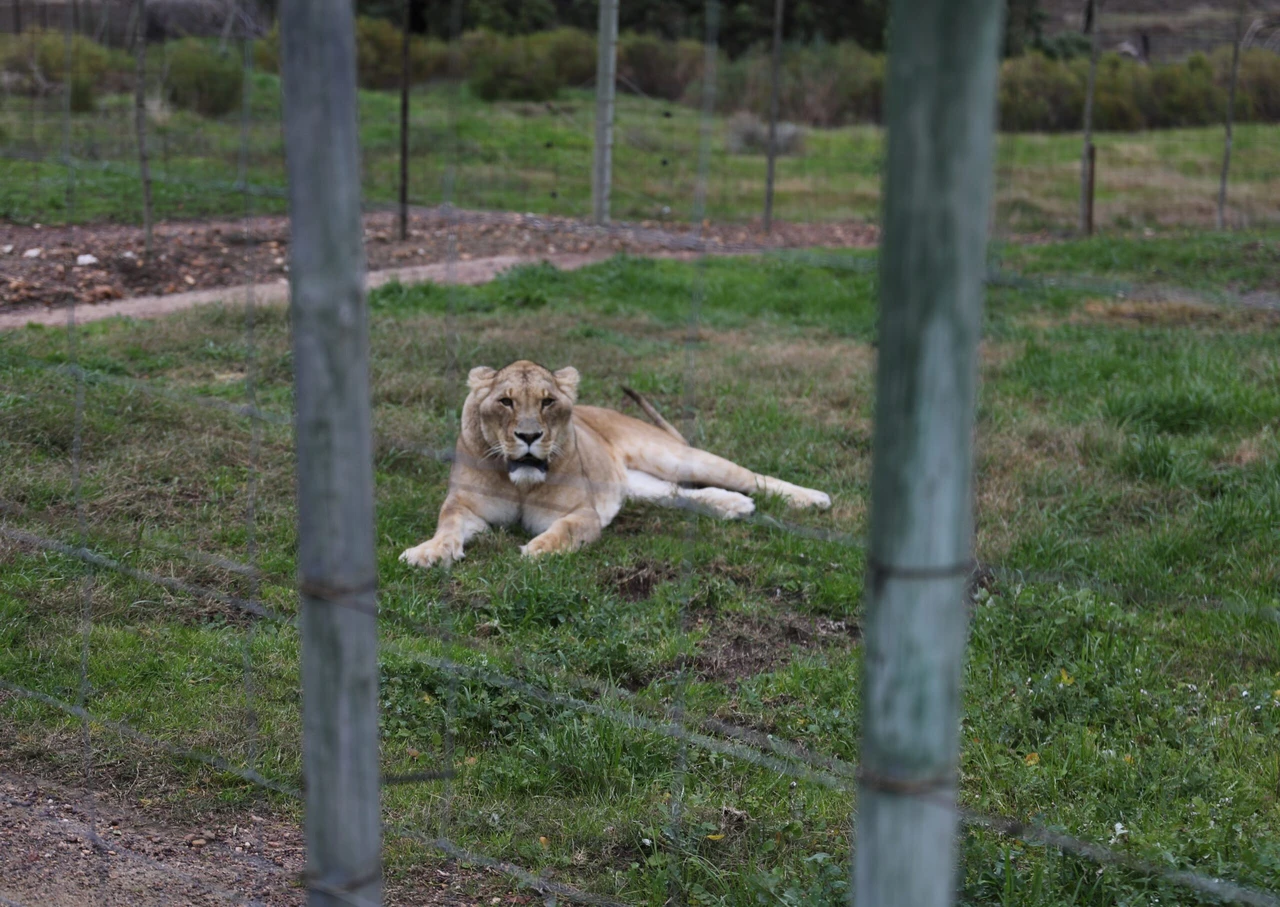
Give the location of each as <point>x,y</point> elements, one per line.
<point>538,511</point>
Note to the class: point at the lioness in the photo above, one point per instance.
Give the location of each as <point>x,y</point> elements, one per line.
<point>526,454</point>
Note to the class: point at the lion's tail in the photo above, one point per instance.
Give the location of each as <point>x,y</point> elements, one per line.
<point>653,414</point>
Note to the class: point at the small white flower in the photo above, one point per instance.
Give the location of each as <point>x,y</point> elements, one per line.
<point>1245,694</point>
<point>1120,832</point>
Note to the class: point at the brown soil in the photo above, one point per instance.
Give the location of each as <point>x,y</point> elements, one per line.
<point>61,847</point>
<point>737,647</point>
<point>208,255</point>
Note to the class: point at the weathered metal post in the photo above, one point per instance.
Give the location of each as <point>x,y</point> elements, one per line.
<point>336,563</point>
<point>941,113</point>
<point>405,83</point>
<point>775,75</point>
<point>1231,116</point>
<point>606,90</point>
<point>1088,157</point>
<point>140,123</point>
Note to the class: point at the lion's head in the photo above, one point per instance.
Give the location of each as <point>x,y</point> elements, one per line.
<point>521,415</point>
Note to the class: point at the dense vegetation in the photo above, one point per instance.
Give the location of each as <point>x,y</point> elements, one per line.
<point>825,84</point>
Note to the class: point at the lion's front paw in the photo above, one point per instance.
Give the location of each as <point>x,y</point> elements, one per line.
<point>436,551</point>
<point>807,497</point>
<point>540,545</point>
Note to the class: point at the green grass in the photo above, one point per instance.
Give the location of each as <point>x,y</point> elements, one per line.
<point>1125,667</point>
<point>529,157</point>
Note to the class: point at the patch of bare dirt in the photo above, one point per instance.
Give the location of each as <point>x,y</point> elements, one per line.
<point>1175,313</point>
<point>51,266</point>
<point>737,647</point>
<point>62,847</point>
<point>636,582</point>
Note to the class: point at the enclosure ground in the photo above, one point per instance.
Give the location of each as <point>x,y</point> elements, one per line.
<point>203,255</point>
<point>1122,683</point>
<point>64,846</point>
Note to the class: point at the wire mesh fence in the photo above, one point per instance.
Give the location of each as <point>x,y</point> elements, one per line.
<point>677,726</point>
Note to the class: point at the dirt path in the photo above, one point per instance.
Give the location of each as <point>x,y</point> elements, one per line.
<point>42,266</point>
<point>463,272</point>
<point>60,848</point>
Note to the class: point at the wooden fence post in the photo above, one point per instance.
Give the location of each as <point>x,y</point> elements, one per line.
<point>941,117</point>
<point>336,564</point>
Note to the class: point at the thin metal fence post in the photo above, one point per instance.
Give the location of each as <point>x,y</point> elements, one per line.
<point>1093,11</point>
<point>1230,117</point>
<point>140,122</point>
<point>405,82</point>
<point>941,116</point>
<point>606,90</point>
<point>336,558</point>
<point>775,75</point>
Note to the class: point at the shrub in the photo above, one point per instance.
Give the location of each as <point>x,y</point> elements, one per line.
<point>1259,83</point>
<point>83,94</point>
<point>266,50</point>
<point>1038,94</point>
<point>428,59</point>
<point>657,68</point>
<point>748,134</point>
<point>203,80</point>
<point>572,52</point>
<point>39,59</point>
<point>1186,95</point>
<point>514,71</point>
<point>378,53</point>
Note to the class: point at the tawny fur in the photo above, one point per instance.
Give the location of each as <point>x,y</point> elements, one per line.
<point>528,455</point>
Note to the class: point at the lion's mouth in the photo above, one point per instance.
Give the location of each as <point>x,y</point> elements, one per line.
<point>527,460</point>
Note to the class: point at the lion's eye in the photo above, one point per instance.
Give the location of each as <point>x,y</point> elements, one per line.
<point>506,401</point>
<point>548,401</point>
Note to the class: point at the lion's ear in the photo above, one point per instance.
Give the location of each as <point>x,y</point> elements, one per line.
<point>567,379</point>
<point>480,376</point>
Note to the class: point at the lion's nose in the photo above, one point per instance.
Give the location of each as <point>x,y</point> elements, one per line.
<point>528,437</point>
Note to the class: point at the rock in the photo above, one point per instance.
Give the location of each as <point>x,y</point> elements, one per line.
<point>83,260</point>
<point>33,253</point>
<point>7,249</point>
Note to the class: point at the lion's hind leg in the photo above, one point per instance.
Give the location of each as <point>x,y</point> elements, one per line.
<point>698,467</point>
<point>729,505</point>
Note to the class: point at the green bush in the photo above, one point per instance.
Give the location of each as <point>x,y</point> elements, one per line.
<point>1259,83</point>
<point>39,56</point>
<point>514,71</point>
<point>203,80</point>
<point>84,98</point>
<point>572,52</point>
<point>428,59</point>
<point>266,50</point>
<point>828,85</point>
<point>658,68</point>
<point>378,53</point>
<point>1038,94</point>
